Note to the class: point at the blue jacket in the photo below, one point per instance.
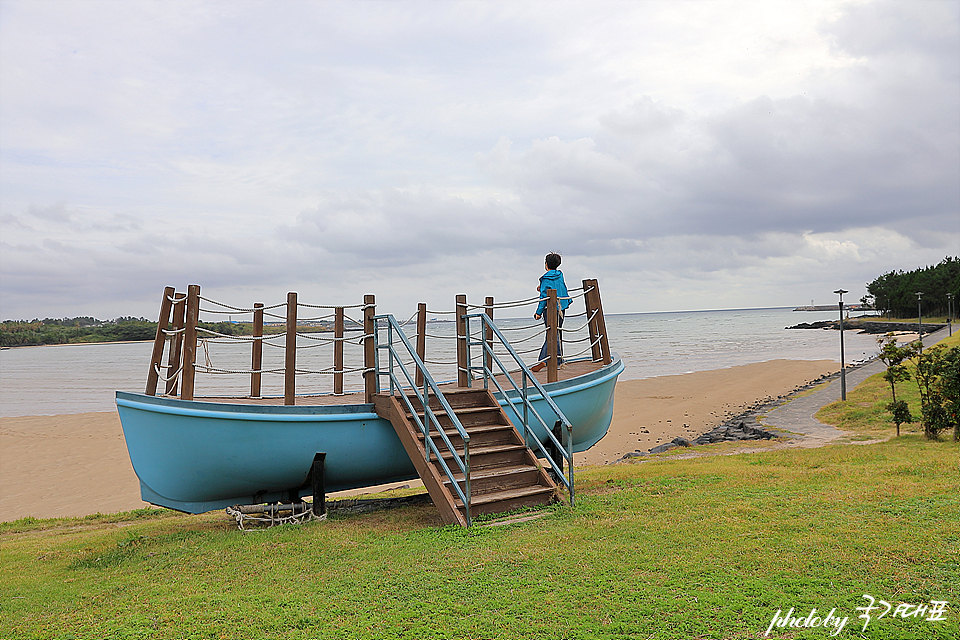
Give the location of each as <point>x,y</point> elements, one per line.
<point>553,279</point>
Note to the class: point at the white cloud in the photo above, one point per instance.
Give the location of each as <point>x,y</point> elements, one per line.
<point>692,155</point>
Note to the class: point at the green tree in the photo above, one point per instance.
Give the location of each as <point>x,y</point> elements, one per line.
<point>895,293</point>
<point>937,374</point>
<point>894,357</point>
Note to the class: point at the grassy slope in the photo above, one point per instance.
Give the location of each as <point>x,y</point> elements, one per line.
<point>702,548</point>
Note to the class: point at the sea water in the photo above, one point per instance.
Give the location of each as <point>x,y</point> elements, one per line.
<point>63,379</point>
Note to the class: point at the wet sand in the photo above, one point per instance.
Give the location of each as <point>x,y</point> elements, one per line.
<point>76,465</point>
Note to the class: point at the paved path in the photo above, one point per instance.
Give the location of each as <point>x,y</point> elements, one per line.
<point>797,416</point>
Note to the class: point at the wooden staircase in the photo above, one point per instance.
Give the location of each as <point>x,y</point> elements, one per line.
<point>504,473</point>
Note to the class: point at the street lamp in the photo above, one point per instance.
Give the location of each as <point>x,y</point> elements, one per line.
<point>843,371</point>
<point>919,321</point>
<point>950,312</point>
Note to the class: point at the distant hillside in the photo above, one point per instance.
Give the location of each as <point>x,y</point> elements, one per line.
<point>23,333</point>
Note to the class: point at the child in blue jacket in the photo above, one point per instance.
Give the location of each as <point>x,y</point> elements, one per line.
<point>552,279</point>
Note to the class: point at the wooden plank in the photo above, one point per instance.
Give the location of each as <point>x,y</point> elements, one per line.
<point>176,345</point>
<point>463,376</point>
<point>189,374</point>
<point>602,326</point>
<point>290,352</point>
<point>338,351</point>
<point>159,341</point>
<point>421,339</point>
<point>553,334</point>
<point>589,295</point>
<point>256,356</point>
<point>488,361</point>
<point>370,382</point>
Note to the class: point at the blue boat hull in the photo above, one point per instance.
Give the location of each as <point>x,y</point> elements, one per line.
<point>196,456</point>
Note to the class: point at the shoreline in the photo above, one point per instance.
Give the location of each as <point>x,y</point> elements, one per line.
<point>73,465</point>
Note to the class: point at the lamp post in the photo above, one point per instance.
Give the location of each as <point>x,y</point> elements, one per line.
<point>919,321</point>
<point>843,370</point>
<point>950,312</point>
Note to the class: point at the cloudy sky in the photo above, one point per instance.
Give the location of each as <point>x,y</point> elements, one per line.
<point>689,155</point>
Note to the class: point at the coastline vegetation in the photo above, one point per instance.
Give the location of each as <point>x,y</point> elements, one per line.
<point>894,294</point>
<point>81,330</point>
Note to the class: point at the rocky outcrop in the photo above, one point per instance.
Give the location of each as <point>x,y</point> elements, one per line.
<point>870,327</point>
<point>724,433</point>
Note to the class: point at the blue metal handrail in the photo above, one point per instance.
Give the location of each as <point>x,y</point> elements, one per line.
<point>566,450</point>
<point>429,385</point>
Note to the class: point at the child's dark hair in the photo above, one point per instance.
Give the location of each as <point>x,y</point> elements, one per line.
<point>553,260</point>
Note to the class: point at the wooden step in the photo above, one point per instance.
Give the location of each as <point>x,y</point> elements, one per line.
<point>467,417</point>
<point>504,473</point>
<point>486,435</point>
<point>493,479</point>
<point>509,499</point>
<point>460,411</point>
<point>457,399</point>
<point>492,456</point>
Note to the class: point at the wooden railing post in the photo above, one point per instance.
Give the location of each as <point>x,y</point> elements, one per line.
<point>290,353</point>
<point>176,344</point>
<point>189,374</point>
<point>589,289</point>
<point>552,335</point>
<point>421,339</point>
<point>463,375</point>
<point>256,360</point>
<point>601,327</point>
<point>338,351</point>
<point>153,375</point>
<point>488,334</point>
<point>369,348</point>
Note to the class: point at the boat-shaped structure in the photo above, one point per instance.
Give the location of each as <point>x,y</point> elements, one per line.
<point>197,454</point>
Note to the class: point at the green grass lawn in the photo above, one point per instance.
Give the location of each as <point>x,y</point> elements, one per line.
<point>702,548</point>
<point>710,547</point>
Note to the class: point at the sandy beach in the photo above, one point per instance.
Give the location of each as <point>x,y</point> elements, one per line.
<point>76,465</point>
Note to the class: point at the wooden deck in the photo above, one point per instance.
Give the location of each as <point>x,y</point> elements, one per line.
<point>566,372</point>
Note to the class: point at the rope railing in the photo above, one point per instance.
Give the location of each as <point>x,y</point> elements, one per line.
<point>233,309</point>
<point>527,327</point>
<point>173,376</point>
<point>218,370</point>
<point>332,306</point>
<point>584,325</point>
<point>218,349</point>
<point>580,353</point>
